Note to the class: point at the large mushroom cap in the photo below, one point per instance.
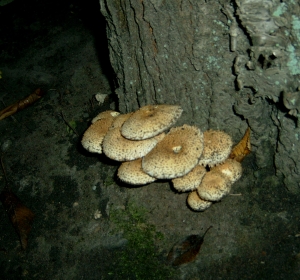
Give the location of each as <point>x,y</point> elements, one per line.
<point>214,186</point>
<point>150,120</point>
<point>176,155</point>
<point>197,203</point>
<point>93,137</point>
<point>131,172</point>
<point>116,147</point>
<point>190,181</point>
<point>231,169</point>
<point>217,147</point>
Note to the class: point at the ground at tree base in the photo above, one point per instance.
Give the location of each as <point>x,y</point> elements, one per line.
<point>88,225</point>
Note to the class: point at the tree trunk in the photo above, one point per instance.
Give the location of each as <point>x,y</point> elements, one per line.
<point>228,66</point>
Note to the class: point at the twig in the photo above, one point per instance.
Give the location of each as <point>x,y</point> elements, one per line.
<point>235,194</point>
<point>15,120</point>
<point>91,100</point>
<point>4,172</point>
<point>10,115</point>
<point>63,117</point>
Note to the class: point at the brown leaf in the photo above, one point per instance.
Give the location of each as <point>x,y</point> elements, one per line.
<point>22,104</point>
<point>242,149</point>
<point>20,216</point>
<point>186,250</point>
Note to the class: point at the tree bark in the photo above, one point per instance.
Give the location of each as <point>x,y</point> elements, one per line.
<point>226,65</point>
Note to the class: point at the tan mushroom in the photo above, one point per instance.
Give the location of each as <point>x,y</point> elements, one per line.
<point>117,147</point>
<point>214,186</point>
<point>105,115</point>
<point>119,120</point>
<point>197,203</point>
<point>131,172</point>
<point>190,181</point>
<point>176,155</point>
<point>93,137</point>
<point>217,147</point>
<point>231,169</point>
<point>150,120</point>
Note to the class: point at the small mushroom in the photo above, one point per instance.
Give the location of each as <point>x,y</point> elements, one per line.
<point>214,186</point>
<point>176,155</point>
<point>150,120</point>
<point>217,147</point>
<point>197,203</point>
<point>93,137</point>
<point>231,169</point>
<point>131,172</point>
<point>190,181</point>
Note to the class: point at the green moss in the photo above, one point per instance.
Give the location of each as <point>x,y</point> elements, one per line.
<point>294,62</point>
<point>5,2</point>
<point>293,49</point>
<point>72,127</point>
<point>212,62</point>
<point>281,9</point>
<point>109,180</point>
<point>139,259</point>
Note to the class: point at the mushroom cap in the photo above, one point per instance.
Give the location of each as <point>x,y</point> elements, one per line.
<point>93,137</point>
<point>217,147</point>
<point>105,114</point>
<point>190,181</point>
<point>120,119</point>
<point>150,120</point>
<point>175,155</point>
<point>117,147</point>
<point>131,172</point>
<point>214,186</point>
<point>231,169</point>
<point>197,203</point>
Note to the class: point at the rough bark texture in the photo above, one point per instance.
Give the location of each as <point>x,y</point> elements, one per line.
<point>228,66</point>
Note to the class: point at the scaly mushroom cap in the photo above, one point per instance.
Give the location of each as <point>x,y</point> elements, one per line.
<point>217,147</point>
<point>150,120</point>
<point>190,181</point>
<point>93,137</point>
<point>176,155</point>
<point>214,186</point>
<point>119,120</point>
<point>116,147</point>
<point>131,172</point>
<point>105,114</point>
<point>197,203</point>
<point>231,169</point>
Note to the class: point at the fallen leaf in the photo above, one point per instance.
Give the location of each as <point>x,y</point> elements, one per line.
<point>21,104</point>
<point>186,250</point>
<point>20,216</point>
<point>242,149</point>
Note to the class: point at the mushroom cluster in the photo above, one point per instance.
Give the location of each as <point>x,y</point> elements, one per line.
<point>202,163</point>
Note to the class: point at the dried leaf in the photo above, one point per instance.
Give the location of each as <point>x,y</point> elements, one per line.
<point>22,104</point>
<point>242,149</point>
<point>20,216</point>
<point>186,250</point>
